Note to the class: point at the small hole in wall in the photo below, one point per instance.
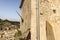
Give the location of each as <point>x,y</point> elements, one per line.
<point>22,20</point>
<point>54,11</point>
<point>41,13</point>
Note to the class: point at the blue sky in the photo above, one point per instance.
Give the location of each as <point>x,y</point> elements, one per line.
<point>8,9</point>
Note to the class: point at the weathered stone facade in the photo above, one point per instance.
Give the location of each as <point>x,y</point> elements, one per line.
<point>43,18</point>
<point>49,20</point>
<point>25,25</point>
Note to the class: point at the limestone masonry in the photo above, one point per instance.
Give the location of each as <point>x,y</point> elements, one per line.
<point>42,17</point>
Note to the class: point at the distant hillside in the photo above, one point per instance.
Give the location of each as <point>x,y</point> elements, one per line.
<point>9,24</point>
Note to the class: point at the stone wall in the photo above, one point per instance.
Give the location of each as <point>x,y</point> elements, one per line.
<point>25,25</point>
<point>50,11</point>
<point>49,16</point>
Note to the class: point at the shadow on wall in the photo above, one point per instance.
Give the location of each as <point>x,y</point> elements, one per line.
<point>49,31</point>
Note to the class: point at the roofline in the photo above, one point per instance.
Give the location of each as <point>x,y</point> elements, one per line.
<point>21,4</point>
